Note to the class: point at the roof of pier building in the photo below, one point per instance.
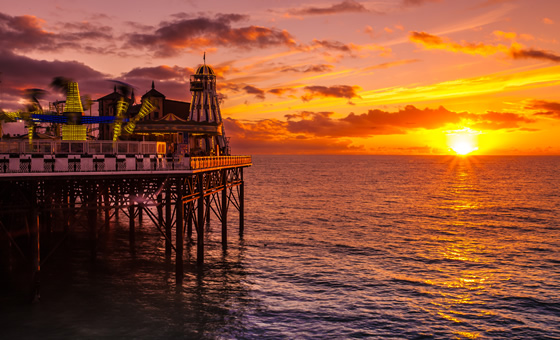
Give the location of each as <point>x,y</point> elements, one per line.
<point>205,70</point>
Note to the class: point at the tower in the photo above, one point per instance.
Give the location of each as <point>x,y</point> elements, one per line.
<point>205,108</point>
<point>73,110</point>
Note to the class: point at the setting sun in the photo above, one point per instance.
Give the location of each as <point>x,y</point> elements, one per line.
<point>463,141</point>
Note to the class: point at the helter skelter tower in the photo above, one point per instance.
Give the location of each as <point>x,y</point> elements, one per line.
<point>205,108</point>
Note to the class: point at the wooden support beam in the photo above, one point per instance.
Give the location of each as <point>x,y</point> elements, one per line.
<point>168,217</point>
<point>241,204</point>
<point>190,220</point>
<point>179,215</point>
<point>92,219</point>
<point>224,208</point>
<point>107,204</point>
<point>159,201</point>
<point>36,270</point>
<point>200,220</point>
<point>131,225</point>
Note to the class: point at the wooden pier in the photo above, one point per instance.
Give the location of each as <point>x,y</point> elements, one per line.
<point>177,200</point>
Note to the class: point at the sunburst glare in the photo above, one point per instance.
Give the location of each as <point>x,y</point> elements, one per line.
<point>463,141</point>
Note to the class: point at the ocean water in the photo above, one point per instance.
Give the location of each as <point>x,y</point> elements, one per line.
<point>335,247</point>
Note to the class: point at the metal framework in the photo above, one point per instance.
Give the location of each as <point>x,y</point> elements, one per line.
<point>176,203</point>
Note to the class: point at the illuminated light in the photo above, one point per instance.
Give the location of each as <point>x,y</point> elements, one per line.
<point>122,107</point>
<point>145,110</point>
<point>30,133</point>
<point>73,101</point>
<point>74,132</point>
<point>463,141</point>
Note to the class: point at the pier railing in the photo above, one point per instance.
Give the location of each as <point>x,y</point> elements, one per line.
<point>218,161</point>
<point>81,147</point>
<point>103,156</point>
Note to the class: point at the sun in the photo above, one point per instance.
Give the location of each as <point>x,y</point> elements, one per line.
<point>463,142</point>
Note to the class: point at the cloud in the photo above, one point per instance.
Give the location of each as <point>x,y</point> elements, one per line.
<point>346,6</point>
<point>162,72</point>
<point>20,72</point>
<point>253,90</point>
<point>280,91</point>
<point>548,21</point>
<point>391,64</point>
<point>545,108</point>
<point>336,91</point>
<point>319,132</point>
<point>308,69</point>
<point>270,136</point>
<point>332,45</point>
<point>409,3</point>
<point>379,122</point>
<point>515,51</point>
<point>26,33</point>
<point>241,87</point>
<point>193,34</point>
<point>533,54</point>
<point>498,120</point>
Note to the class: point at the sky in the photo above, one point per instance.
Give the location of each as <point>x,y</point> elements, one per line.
<point>313,77</point>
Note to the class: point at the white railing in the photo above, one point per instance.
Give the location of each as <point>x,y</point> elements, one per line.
<point>82,147</point>
<point>26,163</point>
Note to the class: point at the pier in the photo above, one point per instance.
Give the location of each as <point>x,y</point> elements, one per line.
<point>175,168</point>
<point>179,197</point>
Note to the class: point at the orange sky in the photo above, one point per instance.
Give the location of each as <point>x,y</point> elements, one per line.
<point>359,77</point>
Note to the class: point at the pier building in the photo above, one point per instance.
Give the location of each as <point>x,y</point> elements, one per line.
<point>48,186</point>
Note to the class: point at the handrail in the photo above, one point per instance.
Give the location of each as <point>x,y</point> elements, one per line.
<point>96,147</point>
<point>206,162</point>
<point>76,163</point>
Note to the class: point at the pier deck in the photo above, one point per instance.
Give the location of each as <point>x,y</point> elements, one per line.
<point>178,195</point>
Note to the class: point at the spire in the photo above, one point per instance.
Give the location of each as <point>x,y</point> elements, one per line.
<point>153,86</point>
<point>204,57</point>
<point>132,97</point>
<point>115,88</point>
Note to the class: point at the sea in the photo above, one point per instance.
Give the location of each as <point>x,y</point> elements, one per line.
<point>334,247</point>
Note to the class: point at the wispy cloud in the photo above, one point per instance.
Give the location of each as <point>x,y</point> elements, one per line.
<point>545,108</point>
<point>514,51</point>
<point>346,6</point>
<point>336,91</point>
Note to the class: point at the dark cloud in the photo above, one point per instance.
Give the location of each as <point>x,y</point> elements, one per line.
<point>25,33</point>
<point>280,91</point>
<point>191,34</point>
<point>336,91</point>
<point>20,72</point>
<point>249,89</point>
<point>270,136</point>
<point>545,108</point>
<point>378,122</point>
<point>318,132</point>
<point>309,69</point>
<point>346,6</point>
<point>331,45</point>
<point>533,54</point>
<point>161,73</point>
<point>253,90</point>
<point>497,120</point>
